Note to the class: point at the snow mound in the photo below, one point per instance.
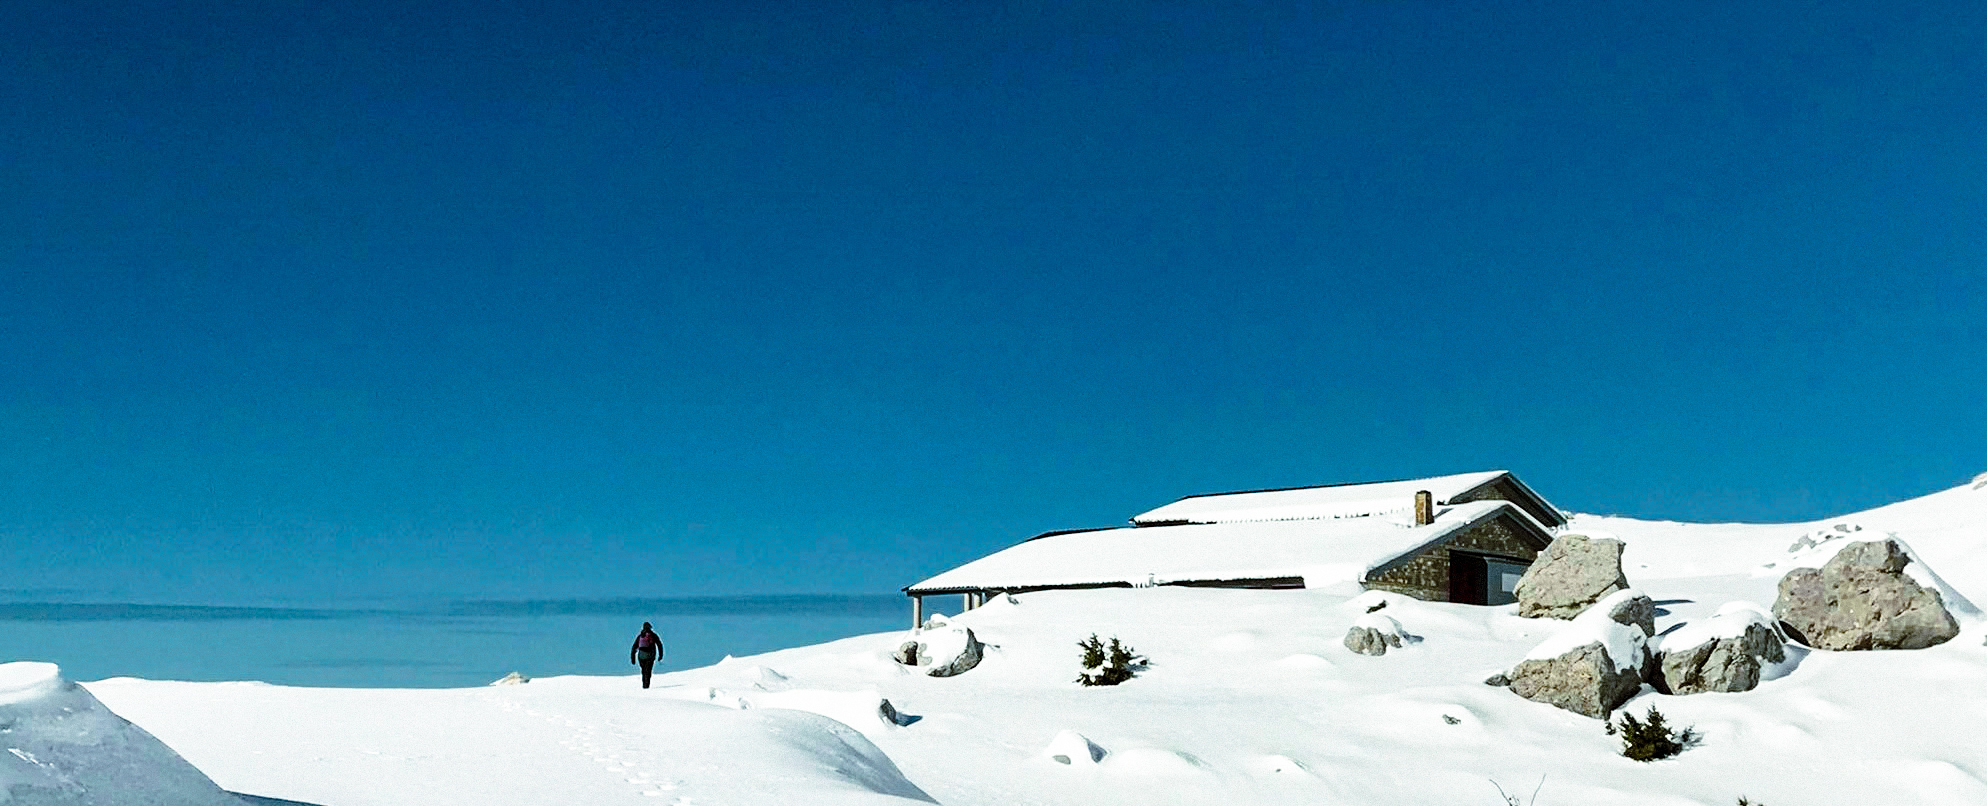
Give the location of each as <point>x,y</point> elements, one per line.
<point>66,749</point>
<point>866,711</point>
<point>767,679</point>
<point>1154,761</point>
<point>1374,600</point>
<point>858,767</point>
<point>1073,749</point>
<point>1625,643</point>
<point>1302,661</point>
<point>1281,766</point>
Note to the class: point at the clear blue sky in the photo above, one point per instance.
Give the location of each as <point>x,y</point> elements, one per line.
<point>674,298</point>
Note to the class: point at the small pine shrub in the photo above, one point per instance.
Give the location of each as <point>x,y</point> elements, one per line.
<point>1651,738</point>
<point>1107,665</point>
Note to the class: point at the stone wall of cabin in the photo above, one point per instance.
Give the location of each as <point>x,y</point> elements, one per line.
<point>1500,490</point>
<point>1426,576</point>
<point>1504,490</point>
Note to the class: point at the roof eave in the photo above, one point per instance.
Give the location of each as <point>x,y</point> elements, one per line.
<point>1285,580</point>
<point>1400,559</point>
<point>1527,491</point>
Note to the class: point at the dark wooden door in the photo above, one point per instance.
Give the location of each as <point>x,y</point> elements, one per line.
<point>1468,574</point>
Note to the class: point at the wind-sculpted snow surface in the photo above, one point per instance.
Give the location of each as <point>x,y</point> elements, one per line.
<point>63,748</point>
<point>594,741</point>
<point>1250,698</point>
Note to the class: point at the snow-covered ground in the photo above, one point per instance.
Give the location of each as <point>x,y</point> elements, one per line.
<point>1250,697</point>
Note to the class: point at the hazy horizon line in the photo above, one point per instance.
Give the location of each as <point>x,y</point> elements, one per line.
<point>641,607</point>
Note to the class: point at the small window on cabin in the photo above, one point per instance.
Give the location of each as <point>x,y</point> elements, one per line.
<point>1503,581</point>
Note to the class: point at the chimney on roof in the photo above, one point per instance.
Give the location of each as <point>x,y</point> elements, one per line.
<point>1424,508</point>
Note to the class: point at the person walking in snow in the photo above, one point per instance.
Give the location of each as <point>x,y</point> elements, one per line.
<point>646,651</point>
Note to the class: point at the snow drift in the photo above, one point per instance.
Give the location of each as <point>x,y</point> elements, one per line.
<point>64,748</point>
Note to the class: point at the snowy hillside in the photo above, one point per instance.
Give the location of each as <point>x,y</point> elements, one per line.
<point>1250,697</point>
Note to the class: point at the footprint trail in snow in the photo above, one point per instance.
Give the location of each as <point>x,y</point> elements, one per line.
<point>617,753</point>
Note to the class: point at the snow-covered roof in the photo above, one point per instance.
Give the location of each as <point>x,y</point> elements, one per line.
<point>1315,503</point>
<point>1321,552</point>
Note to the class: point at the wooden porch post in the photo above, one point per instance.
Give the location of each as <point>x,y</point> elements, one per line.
<point>917,612</point>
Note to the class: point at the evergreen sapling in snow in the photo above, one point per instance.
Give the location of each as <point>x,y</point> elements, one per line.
<point>1651,738</point>
<point>1107,665</point>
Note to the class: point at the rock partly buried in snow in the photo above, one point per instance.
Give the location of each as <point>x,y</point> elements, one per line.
<point>66,749</point>
<point>512,679</point>
<point>1862,599</point>
<point>1373,633</point>
<point>1074,749</point>
<point>1637,610</point>
<point>1722,653</point>
<point>967,657</point>
<point>948,650</point>
<point>1595,663</point>
<point>1369,641</point>
<point>1569,576</point>
<point>889,713</point>
<point>863,710</point>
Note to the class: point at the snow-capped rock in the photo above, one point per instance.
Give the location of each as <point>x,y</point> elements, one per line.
<point>947,650</point>
<point>1726,652</point>
<point>1861,598</point>
<point>1595,663</point>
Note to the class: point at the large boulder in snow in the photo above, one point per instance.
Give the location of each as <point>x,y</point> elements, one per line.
<point>1863,599</point>
<point>1594,664</point>
<point>1373,633</point>
<point>1723,653</point>
<point>1570,576</point>
<point>66,749</point>
<point>947,650</point>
